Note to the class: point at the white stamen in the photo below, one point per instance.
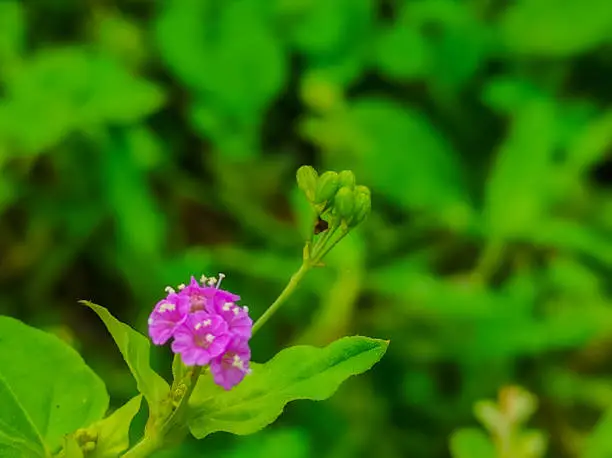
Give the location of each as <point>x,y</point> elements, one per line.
<point>209,338</point>
<point>237,362</point>
<point>236,310</point>
<point>203,279</point>
<point>206,322</point>
<point>227,306</point>
<point>221,277</point>
<point>197,326</point>
<point>246,309</point>
<point>169,290</point>
<point>212,281</point>
<point>181,286</point>
<point>150,321</point>
<point>166,306</point>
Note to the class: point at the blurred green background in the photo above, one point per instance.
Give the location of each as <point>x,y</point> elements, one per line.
<point>142,142</point>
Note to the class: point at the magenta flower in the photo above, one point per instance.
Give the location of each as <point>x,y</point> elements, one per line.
<point>237,318</point>
<point>230,368</point>
<point>208,328</point>
<point>201,338</point>
<point>202,297</point>
<point>166,317</point>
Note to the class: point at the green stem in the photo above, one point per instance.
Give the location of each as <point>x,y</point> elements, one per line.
<point>326,249</point>
<point>155,442</point>
<point>280,300</point>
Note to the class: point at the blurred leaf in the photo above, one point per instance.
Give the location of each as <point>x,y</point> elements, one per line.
<point>518,188</point>
<point>592,144</point>
<point>261,264</point>
<point>295,373</point>
<point>509,94</point>
<point>12,32</point>
<point>113,432</point>
<point>572,277</point>
<point>192,261</point>
<point>403,52</point>
<point>599,441</point>
<point>129,198</point>
<point>213,48</point>
<point>120,38</point>
<point>575,237</point>
<point>335,36</point>
<point>60,90</point>
<point>402,156</point>
<point>135,349</point>
<point>274,444</point>
<point>145,147</point>
<point>456,39</point>
<point>337,308</point>
<point>48,389</point>
<point>541,27</point>
<point>471,443</point>
<point>119,97</point>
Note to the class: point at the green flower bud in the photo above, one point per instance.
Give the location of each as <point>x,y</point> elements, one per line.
<point>307,180</point>
<point>347,178</point>
<point>363,205</point>
<point>360,189</point>
<point>344,203</point>
<point>89,447</point>
<point>326,187</point>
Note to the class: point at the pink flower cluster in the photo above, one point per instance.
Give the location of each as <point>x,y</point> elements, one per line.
<point>208,328</point>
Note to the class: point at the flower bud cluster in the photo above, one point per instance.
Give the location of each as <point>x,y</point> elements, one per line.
<point>335,194</point>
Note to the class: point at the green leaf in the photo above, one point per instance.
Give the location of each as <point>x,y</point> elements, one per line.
<point>12,31</point>
<point>519,186</point>
<point>237,42</point>
<point>18,435</point>
<point>448,57</point>
<point>507,94</point>
<point>403,156</point>
<point>599,441</point>
<point>335,36</point>
<point>540,27</point>
<point>592,144</point>
<point>574,237</point>
<point>471,443</point>
<point>300,372</point>
<point>403,52</point>
<point>135,350</point>
<point>113,432</point>
<point>60,90</point>
<point>131,199</point>
<point>117,95</point>
<point>51,384</point>
<point>71,448</point>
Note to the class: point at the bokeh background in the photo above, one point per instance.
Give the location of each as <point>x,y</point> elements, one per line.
<point>145,141</point>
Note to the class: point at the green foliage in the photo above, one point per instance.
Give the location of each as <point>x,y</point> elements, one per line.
<point>112,433</point>
<point>72,448</point>
<point>18,435</point>
<point>471,442</point>
<point>135,350</point>
<point>142,142</point>
<point>47,390</point>
<point>589,22</point>
<point>300,372</point>
<point>505,423</point>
